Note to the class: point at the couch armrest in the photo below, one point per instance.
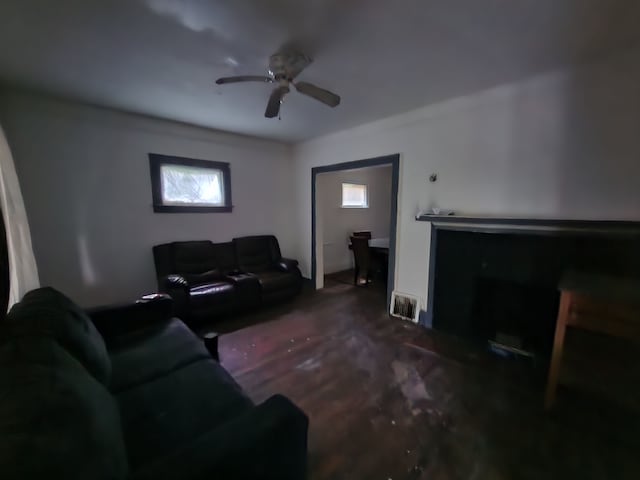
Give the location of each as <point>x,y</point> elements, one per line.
<point>178,288</point>
<point>287,265</point>
<point>267,442</point>
<point>173,281</point>
<point>114,320</point>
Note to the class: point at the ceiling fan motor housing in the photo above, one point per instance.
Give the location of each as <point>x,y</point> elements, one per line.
<point>288,64</point>
<point>284,67</point>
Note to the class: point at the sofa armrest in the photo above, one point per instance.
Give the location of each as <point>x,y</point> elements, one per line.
<point>287,265</point>
<point>178,288</point>
<point>173,281</point>
<point>267,442</point>
<point>114,320</point>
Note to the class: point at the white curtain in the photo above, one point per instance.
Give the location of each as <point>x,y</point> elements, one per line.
<point>23,272</point>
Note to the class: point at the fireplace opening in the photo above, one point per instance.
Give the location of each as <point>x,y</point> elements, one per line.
<point>501,286</point>
<point>514,318</point>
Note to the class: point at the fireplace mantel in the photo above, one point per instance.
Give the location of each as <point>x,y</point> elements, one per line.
<point>553,226</point>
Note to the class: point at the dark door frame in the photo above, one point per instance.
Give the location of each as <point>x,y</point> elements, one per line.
<point>394,161</point>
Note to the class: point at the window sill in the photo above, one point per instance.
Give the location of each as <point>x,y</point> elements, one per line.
<point>354,207</point>
<point>190,209</point>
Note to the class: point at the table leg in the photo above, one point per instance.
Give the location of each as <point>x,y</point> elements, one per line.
<point>558,347</point>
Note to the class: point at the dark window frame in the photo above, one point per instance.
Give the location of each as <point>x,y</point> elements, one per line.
<point>156,161</point>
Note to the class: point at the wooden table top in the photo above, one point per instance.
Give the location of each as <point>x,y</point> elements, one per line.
<point>379,243</point>
<point>618,289</point>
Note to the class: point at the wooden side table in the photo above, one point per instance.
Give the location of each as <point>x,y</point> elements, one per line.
<point>600,304</point>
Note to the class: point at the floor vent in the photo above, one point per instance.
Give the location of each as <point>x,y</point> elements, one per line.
<point>404,306</point>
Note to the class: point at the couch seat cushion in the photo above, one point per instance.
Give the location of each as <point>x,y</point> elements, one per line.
<point>45,312</point>
<point>202,295</point>
<point>163,415</point>
<point>149,353</point>
<point>56,420</point>
<point>273,280</point>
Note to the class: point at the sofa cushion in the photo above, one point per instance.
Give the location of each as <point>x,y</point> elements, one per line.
<point>161,416</point>
<point>193,257</point>
<point>225,255</point>
<point>256,254</point>
<point>275,280</point>
<point>205,277</point>
<point>147,354</point>
<point>201,296</point>
<point>45,312</point>
<point>268,442</point>
<point>56,420</point>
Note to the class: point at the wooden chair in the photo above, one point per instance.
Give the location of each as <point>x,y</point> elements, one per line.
<point>364,234</point>
<point>362,258</point>
<point>599,304</point>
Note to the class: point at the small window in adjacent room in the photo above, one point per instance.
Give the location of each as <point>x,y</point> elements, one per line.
<point>354,196</point>
<point>189,185</point>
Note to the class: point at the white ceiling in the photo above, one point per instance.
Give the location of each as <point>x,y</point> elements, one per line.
<point>161,57</point>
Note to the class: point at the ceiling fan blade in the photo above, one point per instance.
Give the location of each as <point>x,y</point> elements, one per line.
<point>273,107</point>
<point>320,94</point>
<point>244,78</point>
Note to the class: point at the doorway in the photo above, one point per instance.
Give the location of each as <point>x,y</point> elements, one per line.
<point>331,250</point>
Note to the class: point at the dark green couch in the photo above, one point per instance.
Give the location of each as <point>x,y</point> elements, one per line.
<point>130,393</point>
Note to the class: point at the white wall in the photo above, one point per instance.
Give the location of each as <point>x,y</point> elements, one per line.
<point>339,223</point>
<point>84,174</point>
<point>564,144</point>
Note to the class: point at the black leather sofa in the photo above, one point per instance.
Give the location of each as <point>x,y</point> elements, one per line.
<point>209,280</point>
<point>130,392</point>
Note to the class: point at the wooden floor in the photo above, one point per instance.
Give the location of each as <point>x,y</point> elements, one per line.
<point>390,400</point>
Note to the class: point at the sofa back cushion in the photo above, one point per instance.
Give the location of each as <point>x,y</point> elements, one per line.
<point>258,253</point>
<point>56,420</point>
<point>193,257</point>
<point>225,254</point>
<point>163,259</point>
<point>47,313</point>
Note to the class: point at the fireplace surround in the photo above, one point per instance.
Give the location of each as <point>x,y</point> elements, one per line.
<point>490,276</point>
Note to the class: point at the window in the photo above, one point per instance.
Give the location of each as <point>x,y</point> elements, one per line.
<point>354,196</point>
<point>188,185</point>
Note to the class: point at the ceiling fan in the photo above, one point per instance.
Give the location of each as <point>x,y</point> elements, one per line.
<point>284,67</point>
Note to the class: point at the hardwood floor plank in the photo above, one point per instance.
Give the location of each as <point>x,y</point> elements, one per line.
<point>389,399</point>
